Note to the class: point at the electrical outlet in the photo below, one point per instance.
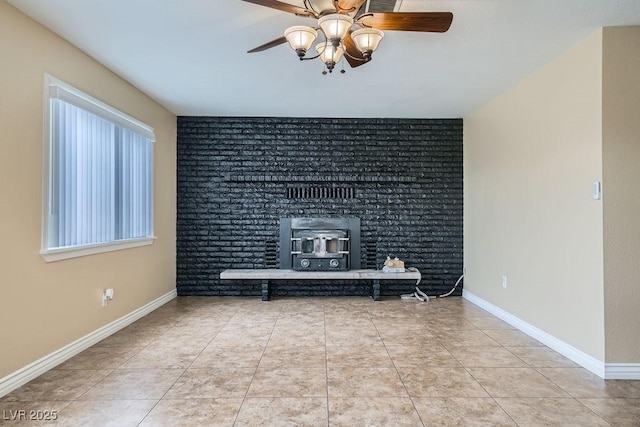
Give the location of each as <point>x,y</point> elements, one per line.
<point>504,281</point>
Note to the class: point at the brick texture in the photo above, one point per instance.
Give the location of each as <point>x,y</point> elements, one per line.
<point>401,177</point>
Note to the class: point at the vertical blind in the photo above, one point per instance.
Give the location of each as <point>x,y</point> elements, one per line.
<point>100,173</point>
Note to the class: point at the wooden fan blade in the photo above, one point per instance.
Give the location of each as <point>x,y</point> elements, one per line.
<point>348,5</point>
<point>356,59</point>
<point>432,22</point>
<point>286,7</point>
<point>269,45</point>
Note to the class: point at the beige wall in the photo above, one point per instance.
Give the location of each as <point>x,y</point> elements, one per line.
<point>44,306</point>
<point>621,168</point>
<point>530,158</point>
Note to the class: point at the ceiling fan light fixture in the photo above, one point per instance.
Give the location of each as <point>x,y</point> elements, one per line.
<point>367,40</point>
<point>335,26</point>
<point>300,38</point>
<point>329,54</point>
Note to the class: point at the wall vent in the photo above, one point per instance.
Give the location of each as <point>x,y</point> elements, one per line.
<point>270,254</point>
<point>319,192</point>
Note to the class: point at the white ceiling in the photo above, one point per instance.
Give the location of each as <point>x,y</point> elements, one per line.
<point>190,55</point>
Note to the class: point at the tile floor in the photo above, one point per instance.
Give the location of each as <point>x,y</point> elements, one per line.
<point>322,362</point>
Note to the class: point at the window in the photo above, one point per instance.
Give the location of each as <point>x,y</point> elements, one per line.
<point>98,175</point>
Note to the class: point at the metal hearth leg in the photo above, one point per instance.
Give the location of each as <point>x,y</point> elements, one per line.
<point>265,290</point>
<point>376,290</point>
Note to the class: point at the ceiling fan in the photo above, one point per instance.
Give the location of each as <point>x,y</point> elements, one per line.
<point>335,22</point>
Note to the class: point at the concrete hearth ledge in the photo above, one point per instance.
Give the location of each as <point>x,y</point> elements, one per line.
<point>268,274</point>
<point>278,274</point>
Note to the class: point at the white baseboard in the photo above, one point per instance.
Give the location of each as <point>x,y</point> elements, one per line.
<point>40,366</point>
<point>608,371</point>
<point>586,361</point>
<point>622,371</point>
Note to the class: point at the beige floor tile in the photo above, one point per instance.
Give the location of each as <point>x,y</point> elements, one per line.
<point>162,358</point>
<point>512,338</point>
<point>431,355</point>
<point>457,307</point>
<point>193,412</point>
<point>211,383</point>
<point>579,382</point>
<point>489,322</point>
<point>104,413</point>
<point>440,382</point>
<point>515,382</point>
<point>364,323</point>
<point>466,338</point>
<point>185,337</point>
<point>130,337</point>
<point>408,333</point>
<point>239,338</point>
<point>156,323</point>
<point>618,412</point>
<point>130,384</point>
<point>309,320</point>
<point>371,355</point>
<point>387,329</point>
<point>409,340</point>
<point>291,356</point>
<point>364,358</point>
<point>210,325</point>
<point>542,357</point>
<point>486,357</point>
<point>220,356</point>
<point>561,412</point>
<point>336,312</point>
<point>372,411</point>
<point>289,382</point>
<point>58,384</point>
<point>100,358</point>
<point>297,337</point>
<point>443,324</point>
<point>462,411</point>
<point>250,330</point>
<point>364,382</point>
<point>302,304</point>
<point>353,336</point>
<point>283,411</point>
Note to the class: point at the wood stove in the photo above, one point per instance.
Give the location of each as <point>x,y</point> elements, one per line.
<point>320,244</point>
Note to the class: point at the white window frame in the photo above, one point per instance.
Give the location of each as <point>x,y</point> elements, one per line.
<point>88,103</point>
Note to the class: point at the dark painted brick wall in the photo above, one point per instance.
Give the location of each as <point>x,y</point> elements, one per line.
<point>401,177</point>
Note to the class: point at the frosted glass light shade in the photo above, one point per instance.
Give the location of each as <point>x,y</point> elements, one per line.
<point>322,5</point>
<point>336,25</point>
<point>300,37</point>
<point>367,39</point>
<point>329,54</point>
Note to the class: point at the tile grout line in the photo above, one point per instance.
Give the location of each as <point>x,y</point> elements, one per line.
<point>397,371</point>
<point>235,419</point>
<point>185,369</point>
<point>326,361</point>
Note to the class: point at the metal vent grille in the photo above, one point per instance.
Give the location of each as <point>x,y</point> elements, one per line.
<point>318,192</point>
<point>370,254</point>
<point>270,254</point>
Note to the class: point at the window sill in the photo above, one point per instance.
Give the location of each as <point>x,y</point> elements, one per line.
<point>51,255</point>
